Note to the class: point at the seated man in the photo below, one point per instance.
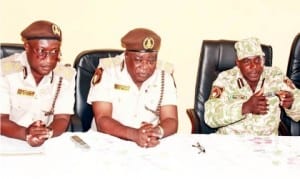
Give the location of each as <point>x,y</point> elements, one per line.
<point>247,98</point>
<point>133,98</point>
<point>36,91</point>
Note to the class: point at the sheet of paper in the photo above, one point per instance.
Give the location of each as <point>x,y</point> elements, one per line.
<point>11,147</point>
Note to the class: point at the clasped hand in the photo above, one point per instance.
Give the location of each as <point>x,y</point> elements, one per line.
<point>148,135</point>
<point>37,133</point>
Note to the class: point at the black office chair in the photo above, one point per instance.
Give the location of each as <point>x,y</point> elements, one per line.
<point>85,64</point>
<point>215,57</point>
<point>7,49</point>
<point>293,72</point>
<point>293,69</point>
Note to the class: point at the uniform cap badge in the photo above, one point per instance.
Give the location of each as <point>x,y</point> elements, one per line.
<point>148,43</point>
<point>55,29</point>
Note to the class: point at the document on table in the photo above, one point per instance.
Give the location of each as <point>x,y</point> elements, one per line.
<point>11,147</point>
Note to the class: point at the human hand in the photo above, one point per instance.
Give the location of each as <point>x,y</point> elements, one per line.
<point>256,104</point>
<point>37,133</point>
<point>147,135</point>
<point>286,98</point>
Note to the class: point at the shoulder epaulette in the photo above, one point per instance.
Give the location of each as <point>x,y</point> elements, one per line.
<point>166,66</point>
<point>9,66</point>
<point>110,62</point>
<point>66,71</point>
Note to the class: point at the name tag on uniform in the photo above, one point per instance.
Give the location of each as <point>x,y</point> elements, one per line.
<point>122,87</point>
<point>238,97</point>
<point>25,92</point>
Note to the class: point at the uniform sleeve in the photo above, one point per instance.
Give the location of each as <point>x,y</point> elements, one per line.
<point>294,112</point>
<point>8,65</point>
<point>222,110</point>
<point>170,91</point>
<point>101,91</point>
<point>286,84</point>
<point>4,95</point>
<point>66,98</point>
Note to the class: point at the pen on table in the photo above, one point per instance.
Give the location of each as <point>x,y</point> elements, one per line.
<point>80,142</point>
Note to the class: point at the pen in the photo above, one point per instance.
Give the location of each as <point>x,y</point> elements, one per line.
<point>79,141</point>
<point>270,94</point>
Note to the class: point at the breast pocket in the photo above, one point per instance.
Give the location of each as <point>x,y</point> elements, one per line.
<point>21,105</point>
<point>46,99</point>
<point>122,98</point>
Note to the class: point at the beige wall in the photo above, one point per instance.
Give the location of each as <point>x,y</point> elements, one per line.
<point>182,24</point>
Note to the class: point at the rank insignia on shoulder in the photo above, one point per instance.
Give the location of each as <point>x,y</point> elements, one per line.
<point>122,87</point>
<point>216,92</point>
<point>97,76</point>
<point>65,71</point>
<point>110,62</point>
<point>166,66</point>
<point>9,67</point>
<point>289,83</point>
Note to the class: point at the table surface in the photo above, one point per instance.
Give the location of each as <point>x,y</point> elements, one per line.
<point>110,157</point>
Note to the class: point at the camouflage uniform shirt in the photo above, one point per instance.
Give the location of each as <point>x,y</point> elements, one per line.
<point>223,109</point>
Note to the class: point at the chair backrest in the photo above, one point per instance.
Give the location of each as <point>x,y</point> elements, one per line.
<point>7,49</point>
<point>215,57</point>
<point>293,69</point>
<point>293,72</point>
<point>85,64</point>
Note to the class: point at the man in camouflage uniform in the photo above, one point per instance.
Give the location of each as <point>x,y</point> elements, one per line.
<point>247,98</point>
<point>36,91</point>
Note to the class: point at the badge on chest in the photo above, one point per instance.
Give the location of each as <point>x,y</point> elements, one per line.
<point>24,92</point>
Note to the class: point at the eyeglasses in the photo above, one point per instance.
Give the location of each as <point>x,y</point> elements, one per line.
<point>42,53</point>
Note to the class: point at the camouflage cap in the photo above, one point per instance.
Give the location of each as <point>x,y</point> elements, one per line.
<point>141,40</point>
<point>42,30</point>
<point>248,48</point>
